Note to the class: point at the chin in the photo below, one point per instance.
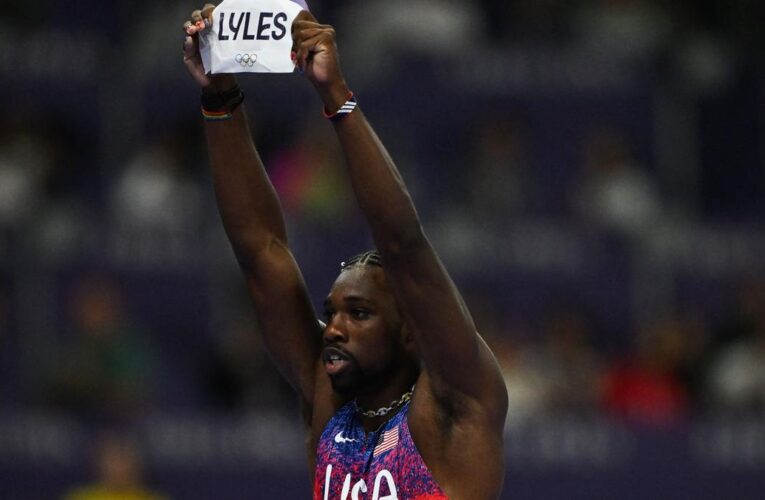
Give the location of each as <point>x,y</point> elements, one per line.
<point>347,383</point>
<point>343,386</point>
<point>354,382</point>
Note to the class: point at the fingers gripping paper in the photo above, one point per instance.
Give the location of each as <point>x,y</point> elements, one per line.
<point>250,36</point>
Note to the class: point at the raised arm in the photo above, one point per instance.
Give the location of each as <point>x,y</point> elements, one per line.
<point>456,360</point>
<point>255,226</point>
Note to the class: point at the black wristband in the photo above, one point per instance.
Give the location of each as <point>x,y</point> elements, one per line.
<point>227,101</point>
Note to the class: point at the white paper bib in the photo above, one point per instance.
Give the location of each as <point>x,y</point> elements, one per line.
<point>250,36</point>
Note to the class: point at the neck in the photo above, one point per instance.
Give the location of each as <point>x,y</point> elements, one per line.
<point>382,397</point>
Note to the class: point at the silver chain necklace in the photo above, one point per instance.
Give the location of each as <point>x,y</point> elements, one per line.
<point>381,412</point>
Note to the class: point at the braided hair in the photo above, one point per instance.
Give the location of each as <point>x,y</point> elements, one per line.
<point>368,258</point>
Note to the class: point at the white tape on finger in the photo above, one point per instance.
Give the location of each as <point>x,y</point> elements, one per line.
<point>250,36</point>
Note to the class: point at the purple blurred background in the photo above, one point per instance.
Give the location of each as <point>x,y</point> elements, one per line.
<point>591,173</point>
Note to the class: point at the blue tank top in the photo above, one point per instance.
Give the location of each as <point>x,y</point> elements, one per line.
<point>352,464</point>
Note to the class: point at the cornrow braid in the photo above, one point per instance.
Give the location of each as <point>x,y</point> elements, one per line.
<point>368,258</point>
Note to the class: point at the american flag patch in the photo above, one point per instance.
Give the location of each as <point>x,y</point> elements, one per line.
<point>388,441</point>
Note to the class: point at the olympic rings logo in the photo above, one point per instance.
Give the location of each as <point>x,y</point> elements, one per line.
<point>246,60</point>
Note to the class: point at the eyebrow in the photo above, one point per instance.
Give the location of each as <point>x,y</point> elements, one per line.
<point>350,299</point>
<point>356,299</point>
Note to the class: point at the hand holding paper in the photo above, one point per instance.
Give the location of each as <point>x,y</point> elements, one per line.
<point>248,36</point>
<point>315,49</point>
<point>316,55</point>
<point>281,40</point>
<point>200,20</point>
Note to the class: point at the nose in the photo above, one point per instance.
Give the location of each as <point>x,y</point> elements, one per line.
<point>334,333</point>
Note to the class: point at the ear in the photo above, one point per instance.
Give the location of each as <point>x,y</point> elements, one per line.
<point>406,336</point>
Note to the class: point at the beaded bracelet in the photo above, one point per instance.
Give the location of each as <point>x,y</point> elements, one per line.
<point>345,110</point>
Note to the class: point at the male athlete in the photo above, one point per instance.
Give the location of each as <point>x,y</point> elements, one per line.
<point>402,399</point>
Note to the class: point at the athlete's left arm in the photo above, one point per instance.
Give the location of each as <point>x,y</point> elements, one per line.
<point>455,357</point>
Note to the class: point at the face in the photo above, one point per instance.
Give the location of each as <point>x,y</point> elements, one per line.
<point>363,342</point>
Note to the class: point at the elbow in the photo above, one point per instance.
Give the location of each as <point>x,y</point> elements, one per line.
<point>252,254</point>
<point>402,239</point>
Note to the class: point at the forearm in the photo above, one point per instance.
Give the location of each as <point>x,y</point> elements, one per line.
<point>377,183</point>
<point>246,199</point>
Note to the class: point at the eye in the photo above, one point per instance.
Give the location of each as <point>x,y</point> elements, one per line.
<point>328,314</point>
<point>360,314</point>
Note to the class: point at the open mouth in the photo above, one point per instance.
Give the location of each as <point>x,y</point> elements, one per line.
<point>335,360</point>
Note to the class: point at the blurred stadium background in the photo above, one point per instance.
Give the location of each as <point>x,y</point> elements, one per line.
<point>590,171</point>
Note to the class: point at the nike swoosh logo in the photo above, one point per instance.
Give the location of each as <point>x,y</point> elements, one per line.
<point>340,439</point>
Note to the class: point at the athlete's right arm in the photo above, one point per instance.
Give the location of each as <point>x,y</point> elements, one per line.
<point>255,227</point>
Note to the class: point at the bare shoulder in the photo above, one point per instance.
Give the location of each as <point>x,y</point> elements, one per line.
<point>460,436</point>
